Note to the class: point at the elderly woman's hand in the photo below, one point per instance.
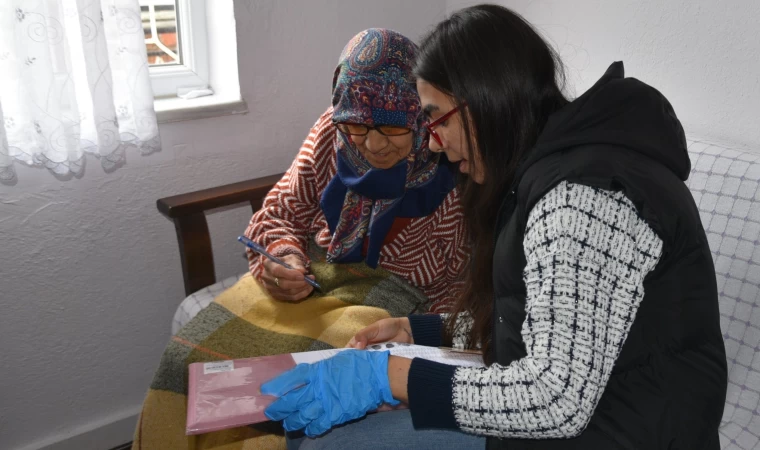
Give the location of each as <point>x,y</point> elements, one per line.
<point>385,330</point>
<point>286,285</point>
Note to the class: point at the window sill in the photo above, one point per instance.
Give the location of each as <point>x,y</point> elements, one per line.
<point>175,109</point>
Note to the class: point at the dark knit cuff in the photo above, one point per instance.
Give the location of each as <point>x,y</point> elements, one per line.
<point>430,387</point>
<point>427,329</point>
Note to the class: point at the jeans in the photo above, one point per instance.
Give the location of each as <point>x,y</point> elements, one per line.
<point>386,430</point>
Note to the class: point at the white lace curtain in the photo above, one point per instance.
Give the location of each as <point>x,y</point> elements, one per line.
<point>73,80</point>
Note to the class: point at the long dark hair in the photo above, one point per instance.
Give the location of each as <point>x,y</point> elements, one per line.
<point>511,80</point>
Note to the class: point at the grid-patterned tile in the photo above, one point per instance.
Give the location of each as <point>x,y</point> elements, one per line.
<point>725,184</point>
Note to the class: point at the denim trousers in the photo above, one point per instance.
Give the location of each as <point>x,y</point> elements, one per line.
<point>386,430</point>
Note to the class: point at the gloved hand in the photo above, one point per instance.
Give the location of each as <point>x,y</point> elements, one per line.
<point>330,392</point>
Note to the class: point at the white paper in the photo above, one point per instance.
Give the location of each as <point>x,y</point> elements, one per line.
<point>317,355</point>
<point>188,93</point>
<point>440,355</point>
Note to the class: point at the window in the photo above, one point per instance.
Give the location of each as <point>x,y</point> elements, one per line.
<point>192,46</point>
<point>176,40</point>
<point>161,33</point>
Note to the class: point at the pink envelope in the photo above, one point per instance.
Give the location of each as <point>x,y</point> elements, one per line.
<point>227,394</point>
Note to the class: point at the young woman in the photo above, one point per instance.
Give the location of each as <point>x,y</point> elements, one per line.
<point>591,291</point>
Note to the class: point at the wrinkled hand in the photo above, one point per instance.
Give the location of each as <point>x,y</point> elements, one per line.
<point>384,330</point>
<point>327,393</point>
<point>292,287</point>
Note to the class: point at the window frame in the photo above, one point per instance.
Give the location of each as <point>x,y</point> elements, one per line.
<point>193,47</point>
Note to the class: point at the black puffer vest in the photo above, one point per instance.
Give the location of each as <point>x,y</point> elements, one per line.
<point>668,385</point>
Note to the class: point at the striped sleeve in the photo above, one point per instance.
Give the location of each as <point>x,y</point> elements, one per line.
<point>282,224</point>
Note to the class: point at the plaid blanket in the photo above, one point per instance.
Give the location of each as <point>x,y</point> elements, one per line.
<point>244,321</point>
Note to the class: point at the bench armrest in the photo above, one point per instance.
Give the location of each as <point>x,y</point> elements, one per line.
<point>188,213</point>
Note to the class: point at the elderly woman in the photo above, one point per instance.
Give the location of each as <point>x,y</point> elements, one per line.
<point>365,186</point>
<point>366,207</point>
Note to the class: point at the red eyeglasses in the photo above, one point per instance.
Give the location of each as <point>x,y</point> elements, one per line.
<point>431,126</point>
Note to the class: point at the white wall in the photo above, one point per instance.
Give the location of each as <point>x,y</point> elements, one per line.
<point>89,270</point>
<point>704,55</point>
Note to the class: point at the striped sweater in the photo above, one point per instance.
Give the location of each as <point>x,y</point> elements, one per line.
<point>587,252</point>
<point>429,252</point>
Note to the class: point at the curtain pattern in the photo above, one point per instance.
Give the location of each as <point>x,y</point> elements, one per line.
<point>74,79</point>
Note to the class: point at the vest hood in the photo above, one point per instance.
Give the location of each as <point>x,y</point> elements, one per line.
<point>620,112</point>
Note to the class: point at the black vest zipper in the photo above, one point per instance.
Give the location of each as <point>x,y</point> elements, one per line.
<point>507,204</point>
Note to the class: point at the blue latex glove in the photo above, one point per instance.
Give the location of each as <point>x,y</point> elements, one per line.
<point>330,392</point>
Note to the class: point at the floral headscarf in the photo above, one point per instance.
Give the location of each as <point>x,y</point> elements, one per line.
<point>374,85</point>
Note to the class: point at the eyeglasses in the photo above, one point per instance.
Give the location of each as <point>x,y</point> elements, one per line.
<point>355,129</point>
<point>431,126</point>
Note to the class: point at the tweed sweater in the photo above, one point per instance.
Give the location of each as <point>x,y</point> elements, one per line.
<point>430,252</point>
<point>587,252</point>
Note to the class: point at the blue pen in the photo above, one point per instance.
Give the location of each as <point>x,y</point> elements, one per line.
<point>261,250</point>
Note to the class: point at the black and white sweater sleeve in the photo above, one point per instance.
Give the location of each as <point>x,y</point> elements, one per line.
<point>587,253</point>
